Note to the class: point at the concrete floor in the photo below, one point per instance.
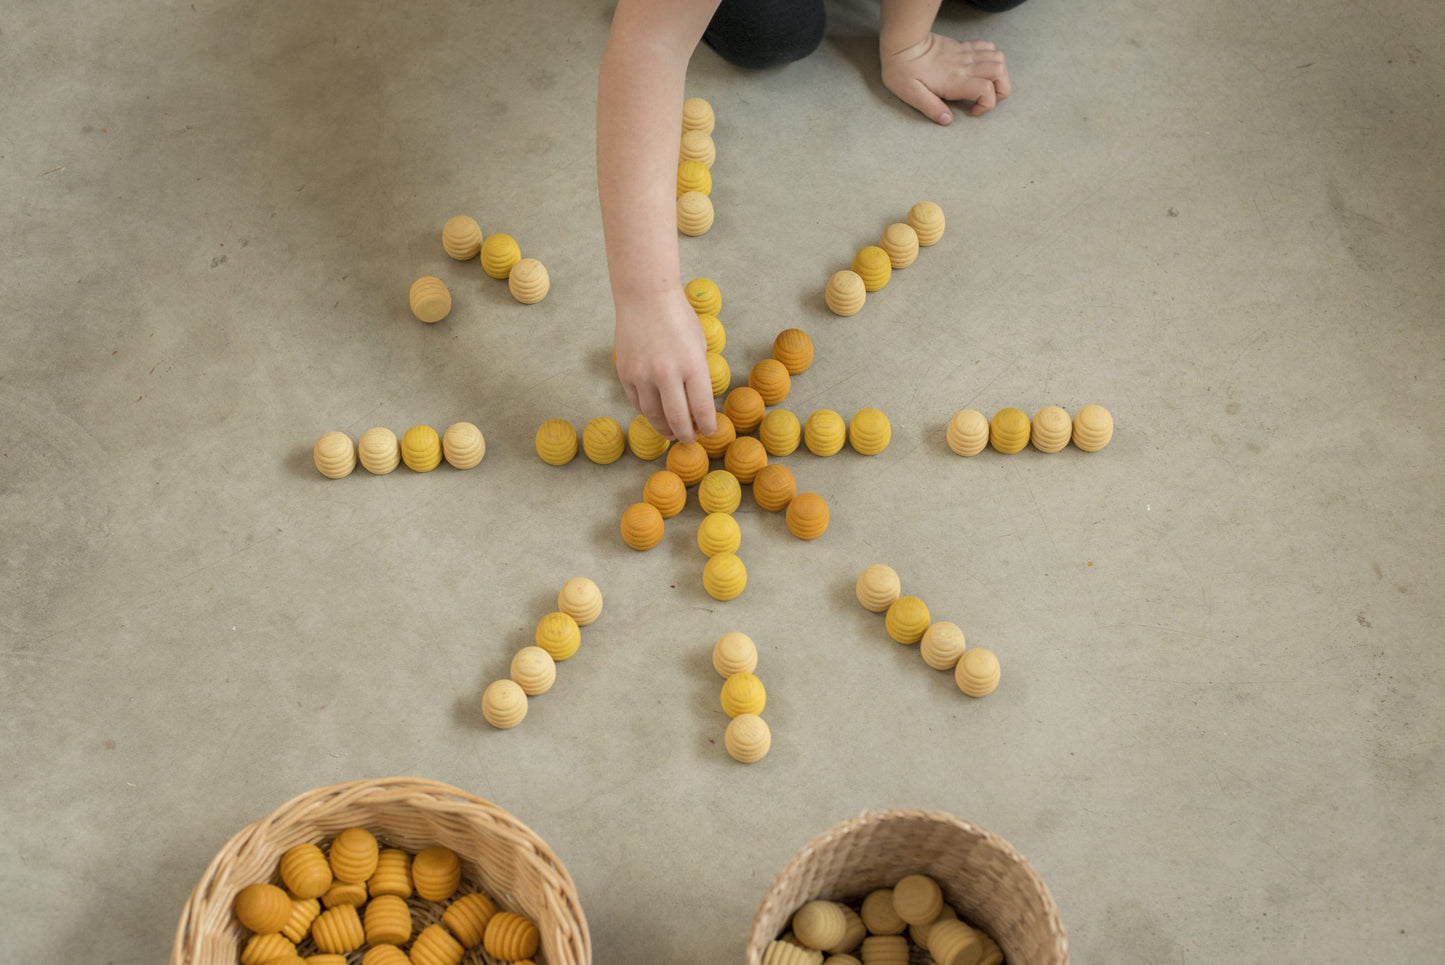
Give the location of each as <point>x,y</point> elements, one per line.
<point>1218,736</point>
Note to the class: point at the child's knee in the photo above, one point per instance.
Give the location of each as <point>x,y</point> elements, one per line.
<point>755,34</point>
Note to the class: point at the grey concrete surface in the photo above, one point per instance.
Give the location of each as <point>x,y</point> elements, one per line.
<point>1218,735</point>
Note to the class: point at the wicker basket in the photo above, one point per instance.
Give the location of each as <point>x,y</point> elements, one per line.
<point>986,880</point>
<point>500,856</point>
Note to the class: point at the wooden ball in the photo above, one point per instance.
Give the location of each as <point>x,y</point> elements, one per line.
<point>385,955</point>
<point>845,293</point>
<point>695,213</point>
<point>718,533</point>
<point>345,893</point>
<point>1093,428</point>
<point>820,924</point>
<point>1050,429</point>
<point>265,909</point>
<point>499,253</point>
<point>581,600</point>
<point>421,448</point>
<point>719,492</point>
<point>689,460</point>
<point>869,432</point>
<point>906,622</point>
<point>504,704</point>
<point>748,738</point>
<point>872,265</point>
<point>926,219</point>
<point>528,281</point>
<point>556,442</point>
<point>724,576</point>
<point>387,921</point>
<point>510,937</point>
<point>436,872</point>
<point>807,516</point>
<point>770,377</point>
<point>919,933</point>
<point>559,635</point>
<point>784,952</point>
<point>967,432</point>
<point>264,949</point>
<point>743,693</point>
<point>303,912</point>
<point>392,875</point>
<point>534,670</point>
<point>467,918</point>
<point>353,856</point>
<point>901,243</point>
<point>305,871</point>
<point>463,445</point>
<point>602,441</point>
<point>951,942</point>
<point>1008,430</point>
<point>917,899</point>
<point>780,432</point>
<point>942,645</point>
<point>716,445</point>
<point>645,442</point>
<point>714,332</point>
<point>697,115</point>
<point>665,490</point>
<point>435,946</point>
<point>693,177</point>
<point>794,348</point>
<point>825,432</point>
<point>774,487</point>
<point>338,930</point>
<point>734,652</point>
<point>697,146</point>
<point>745,458</point>
<point>378,450</point>
<point>885,950</point>
<point>334,455</point>
<point>744,406</point>
<point>878,586</point>
<point>704,297</point>
<point>430,300</point>
<point>878,914</point>
<point>462,237</point>
<point>977,673</point>
<point>857,931</point>
<point>718,373</point>
<point>642,526</point>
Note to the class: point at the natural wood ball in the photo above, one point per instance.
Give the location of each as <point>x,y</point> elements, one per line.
<point>901,243</point>
<point>463,445</point>
<point>429,298</point>
<point>1093,428</point>
<point>734,652</point>
<point>926,219</point>
<point>504,704</point>
<point>462,237</point>
<point>967,432</point>
<point>378,450</point>
<point>877,587</point>
<point>748,738</point>
<point>334,455</point>
<point>528,281</point>
<point>845,293</point>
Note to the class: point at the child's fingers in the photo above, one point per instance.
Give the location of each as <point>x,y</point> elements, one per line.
<point>926,101</point>
<point>986,100</point>
<point>679,416</point>
<point>1000,83</point>
<point>704,412</point>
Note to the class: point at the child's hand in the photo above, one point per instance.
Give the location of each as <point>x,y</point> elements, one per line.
<point>662,362</point>
<point>938,69</point>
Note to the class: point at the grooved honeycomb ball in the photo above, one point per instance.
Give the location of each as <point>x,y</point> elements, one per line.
<point>951,942</point>
<point>719,492</point>
<point>780,433</point>
<point>870,432</point>
<point>845,292</point>
<point>462,237</point>
<point>1050,429</point>
<point>885,950</point>
<point>745,407</point>
<point>825,432</point>
<point>345,893</point>
<point>1093,428</point>
<point>942,646</point>
<point>556,442</point>
<point>385,955</point>
<point>724,576</point>
<point>820,924</point>
<point>510,937</point>
<point>645,442</point>
<point>435,946</point>
<point>353,855</point>
<point>919,933</point>
<point>784,952</point>
<point>697,146</point>
<point>917,899</point>
<point>716,445</point>
<point>695,214</point>
<point>878,586</point>
<point>713,332</point>
<point>967,432</point>
<point>528,281</point>
<point>718,533</point>
<point>534,670</point>
<point>901,243</point>
<point>305,871</point>
<point>642,526</point>
<point>463,446</point>
<point>392,875</point>
<point>718,373</point>
<point>926,219</point>
<point>977,672</point>
<point>697,115</point>
<point>467,917</point>
<point>334,455</point>
<point>872,265</point>
<point>745,458</point>
<point>338,930</point>
<point>878,913</point>
<point>857,931</point>
<point>263,909</point>
<point>794,348</point>
<point>807,516</point>
<point>558,634</point>
<point>906,622</point>
<point>421,448</point>
<point>429,298</point>
<point>689,461</point>
<point>743,693</point>
<point>261,949</point>
<point>436,871</point>
<point>693,176</point>
<point>379,450</point>
<point>581,600</point>
<point>499,254</point>
<point>704,297</point>
<point>1008,430</point>
<point>734,652</point>
<point>504,704</point>
<point>387,921</point>
<point>772,381</point>
<point>602,441</point>
<point>665,490</point>
<point>774,487</point>
<point>748,738</point>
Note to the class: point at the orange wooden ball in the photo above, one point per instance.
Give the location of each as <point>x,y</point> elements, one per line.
<point>745,407</point>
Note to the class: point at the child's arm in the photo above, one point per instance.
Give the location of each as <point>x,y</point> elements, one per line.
<point>925,69</point>
<point>660,346</point>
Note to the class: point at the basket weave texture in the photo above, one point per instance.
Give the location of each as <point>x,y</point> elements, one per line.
<point>500,856</point>
<point>982,876</point>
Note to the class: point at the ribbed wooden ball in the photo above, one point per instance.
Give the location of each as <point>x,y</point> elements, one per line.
<point>385,955</point>
<point>734,652</point>
<point>436,871</point>
<point>697,146</point>
<point>718,533</point>
<point>429,298</point>
<point>334,455</point>
<point>719,492</point>
<point>1008,430</point>
<point>951,942</point>
<point>695,214</point>
<point>378,450</point>
<point>463,446</point>
<point>642,526</point>
<point>794,348</point>
<point>917,899</point>
<point>745,407</point>
<point>581,600</point>
<point>872,265</point>
<point>885,950</point>
<point>906,622</point>
<point>977,673</point>
<point>556,442</point>
<point>665,490</point>
<point>421,448</point>
<point>780,432</point>
<point>718,373</point>
<point>716,445</point>
<point>462,237</point>
<point>264,909</point>
<point>693,177</point>
<point>510,937</point>
<point>919,933</point>
<point>714,332</point>
<point>689,460</point>
<point>534,670</point>
<point>877,587</point>
<point>748,738</point>
<point>1050,429</point>
<point>772,381</point>
<point>825,432</point>
<point>724,576</point>
<point>345,893</point>
<point>879,915</point>
<point>435,946</point>
<point>393,874</point>
<point>1093,428</point>
<point>697,115</point>
<point>926,219</point>
<point>774,487</point>
<point>603,441</point>
<point>869,432</point>
<point>305,871</point>
<point>820,924</point>
<point>745,458</point>
<point>388,921</point>
<point>467,918</point>
<point>528,281</point>
<point>303,913</point>
<point>743,693</point>
<point>320,959</point>
<point>504,704</point>
<point>901,243</point>
<point>838,959</point>
<point>942,645</point>
<point>967,432</point>
<point>704,296</point>
<point>854,936</point>
<point>784,952</point>
<point>845,293</point>
<point>338,930</point>
<point>264,949</point>
<point>499,253</point>
<point>558,634</point>
<point>807,516</point>
<point>353,855</point>
<point>645,442</point>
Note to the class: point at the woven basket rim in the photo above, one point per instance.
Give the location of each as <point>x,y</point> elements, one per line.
<point>393,790</point>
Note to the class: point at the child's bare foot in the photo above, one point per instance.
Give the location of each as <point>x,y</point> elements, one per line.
<point>939,69</point>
